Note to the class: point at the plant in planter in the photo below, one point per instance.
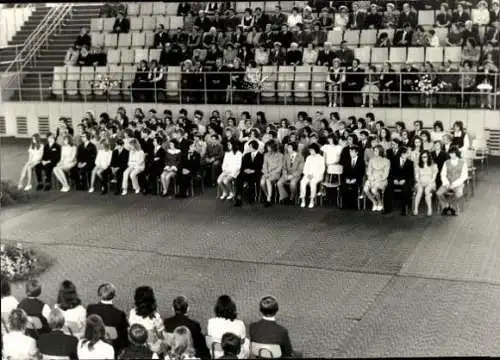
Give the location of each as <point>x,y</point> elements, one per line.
<point>104,85</point>
<point>19,263</point>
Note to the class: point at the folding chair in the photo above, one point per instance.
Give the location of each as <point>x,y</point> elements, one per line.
<point>265,351</point>
<point>453,54</point>
<point>426,17</point>
<point>96,24</point>
<point>115,72</point>
<point>363,54</point>
<point>176,22</point>
<point>86,79</point>
<point>285,81</point>
<point>301,82</point>
<point>100,72</point>
<point>416,55</point>
<point>97,39</point>
<point>318,83</point>
<point>268,89</point>
<point>397,55</point>
<point>434,55</point>
<point>335,37</point>
<point>162,20</point>
<point>173,81</point>
<point>368,37</point>
<point>127,57</point>
<point>154,54</point>
<point>128,76</point>
<point>352,37</point>
<point>140,54</point>
<point>146,9</point>
<point>108,24</point>
<point>159,8</point>
<point>240,6</point>
<point>72,80</point>
<point>138,39</point>
<point>148,23</point>
<point>111,40</point>
<point>136,24</point>
<point>333,180</point>
<point>379,55</point>
<point>60,74</point>
<point>133,9</point>
<point>171,8</point>
<point>150,39</point>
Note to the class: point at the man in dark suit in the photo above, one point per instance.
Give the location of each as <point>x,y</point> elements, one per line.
<point>56,342</point>
<point>161,37</point>
<point>202,21</point>
<point>156,165</point>
<point>401,180</point>
<point>146,142</point>
<point>119,163</point>
<point>364,142</point>
<point>494,12</point>
<point>407,16</point>
<point>291,174</point>
<point>250,173</point>
<point>111,316</point>
<point>403,36</point>
<point>188,168</point>
<point>393,152</point>
<point>217,81</point>
<point>356,17</point>
<point>180,305</point>
<point>352,176</point>
<point>354,82</point>
<point>277,56</point>
<point>85,162</point>
<point>231,346</point>
<point>268,331</point>
<point>409,74</point>
<point>279,18</point>
<point>260,19</point>
<point>345,54</point>
<point>51,156</point>
<point>326,56</point>
<point>122,24</point>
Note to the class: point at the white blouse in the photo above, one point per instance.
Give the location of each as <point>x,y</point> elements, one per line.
<point>100,351</point>
<point>68,156</point>
<point>103,159</point>
<point>35,155</point>
<point>219,326</point>
<point>136,159</point>
<point>294,20</point>
<point>153,325</point>
<point>315,166</point>
<point>77,316</point>
<point>9,303</point>
<point>331,153</point>
<point>18,346</point>
<point>232,163</point>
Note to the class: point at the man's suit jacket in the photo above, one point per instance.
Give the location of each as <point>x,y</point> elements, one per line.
<point>57,343</point>
<point>410,18</point>
<point>86,154</point>
<point>158,158</point>
<point>161,38</point>
<point>199,343</point>
<point>270,332</point>
<point>119,159</point>
<point>492,34</point>
<point>494,17</point>
<point>354,172</point>
<point>124,26</point>
<point>407,172</point>
<point>111,316</point>
<point>399,36</point>
<point>52,153</point>
<point>439,159</point>
<point>325,58</point>
<point>255,164</point>
<point>294,169</point>
<point>277,57</point>
<point>190,162</point>
<point>357,21</point>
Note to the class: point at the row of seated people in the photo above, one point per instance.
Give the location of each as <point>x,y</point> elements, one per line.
<point>328,18</point>
<point>31,329</point>
<point>182,159</point>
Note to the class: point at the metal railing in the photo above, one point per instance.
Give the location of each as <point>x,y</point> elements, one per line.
<point>288,88</point>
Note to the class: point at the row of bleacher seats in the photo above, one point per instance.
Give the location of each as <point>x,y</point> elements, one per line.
<point>282,79</point>
<point>353,38</point>
<point>366,55</point>
<point>138,24</point>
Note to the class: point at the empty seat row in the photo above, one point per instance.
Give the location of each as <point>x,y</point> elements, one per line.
<point>133,39</point>
<point>138,23</point>
<point>132,56</point>
<point>396,55</point>
<point>152,8</point>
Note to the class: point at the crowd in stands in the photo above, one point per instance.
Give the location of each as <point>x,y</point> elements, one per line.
<point>33,330</point>
<point>288,162</point>
<point>220,50</point>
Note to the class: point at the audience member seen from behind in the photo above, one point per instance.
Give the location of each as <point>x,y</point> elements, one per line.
<point>56,342</point>
<point>16,344</point>
<point>138,348</point>
<point>268,331</point>
<point>33,306</point>
<point>92,345</point>
<point>225,320</point>
<point>181,345</point>
<point>70,304</point>
<point>231,346</point>
<point>8,302</point>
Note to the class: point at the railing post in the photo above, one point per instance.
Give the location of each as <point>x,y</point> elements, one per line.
<point>40,86</point>
<point>400,90</point>
<point>205,95</point>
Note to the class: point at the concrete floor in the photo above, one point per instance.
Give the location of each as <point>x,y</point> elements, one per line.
<point>349,284</point>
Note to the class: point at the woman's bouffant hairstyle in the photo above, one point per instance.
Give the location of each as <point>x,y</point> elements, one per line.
<point>67,298</point>
<point>145,301</point>
<point>421,161</point>
<point>94,331</point>
<point>225,308</point>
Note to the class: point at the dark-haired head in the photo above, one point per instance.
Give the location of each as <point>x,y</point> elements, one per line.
<point>33,288</point>
<point>145,301</point>
<point>106,292</point>
<point>314,147</point>
<point>293,146</point>
<point>5,285</point>
<point>254,145</point>
<point>180,305</point>
<point>269,306</point>
<point>94,331</point>
<point>230,344</point>
<point>454,150</point>
<point>424,159</point>
<point>438,126</point>
<point>225,308</point>
<point>67,297</point>
<point>138,334</point>
<point>272,146</point>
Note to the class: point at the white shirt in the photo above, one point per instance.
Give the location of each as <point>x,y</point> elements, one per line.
<point>9,303</point>
<point>315,166</point>
<point>434,41</point>
<point>219,326</point>
<point>437,135</point>
<point>68,156</point>
<point>232,163</point>
<point>35,155</point>
<point>294,20</point>
<point>331,153</point>
<point>464,174</point>
<point>100,351</point>
<point>136,159</point>
<point>103,159</point>
<point>77,315</point>
<point>153,325</point>
<point>18,346</point>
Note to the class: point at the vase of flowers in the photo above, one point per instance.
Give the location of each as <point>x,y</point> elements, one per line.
<point>103,85</point>
<point>428,88</point>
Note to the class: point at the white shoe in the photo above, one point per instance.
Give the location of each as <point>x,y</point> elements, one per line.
<point>303,204</point>
<point>91,190</point>
<point>223,196</point>
<point>138,191</point>
<point>28,187</point>
<point>311,205</point>
<point>334,105</point>
<point>230,196</point>
<point>380,207</point>
<point>330,105</point>
<point>375,207</point>
<point>124,192</point>
<point>19,187</point>
<point>65,189</point>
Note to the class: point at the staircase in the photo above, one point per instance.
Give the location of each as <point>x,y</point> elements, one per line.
<point>54,54</point>
<point>9,53</point>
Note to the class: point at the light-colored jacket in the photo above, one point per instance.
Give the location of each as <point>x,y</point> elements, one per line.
<point>315,166</point>
<point>232,163</point>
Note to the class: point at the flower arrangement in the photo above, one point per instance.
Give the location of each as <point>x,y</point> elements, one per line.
<point>426,87</point>
<point>11,195</point>
<point>104,83</point>
<point>16,262</point>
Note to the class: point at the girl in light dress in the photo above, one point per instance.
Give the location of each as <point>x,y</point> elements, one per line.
<point>377,174</point>
<point>35,153</point>
<point>425,177</point>
<point>370,90</point>
<point>68,161</point>
<point>231,165</point>
<point>418,147</point>
<point>102,162</point>
<point>135,167</point>
<point>314,170</point>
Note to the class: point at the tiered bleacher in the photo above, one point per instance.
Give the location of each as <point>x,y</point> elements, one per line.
<point>261,34</point>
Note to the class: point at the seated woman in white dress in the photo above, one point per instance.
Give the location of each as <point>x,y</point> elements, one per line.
<point>92,345</point>
<point>67,162</point>
<point>70,304</point>
<point>331,151</point>
<point>136,165</point>
<point>181,345</point>
<point>225,321</point>
<point>145,314</point>
<point>16,344</point>
<point>35,153</point>
<point>314,170</point>
<point>231,166</point>
<point>102,162</point>
<point>425,181</point>
<point>377,174</point>
<point>453,176</point>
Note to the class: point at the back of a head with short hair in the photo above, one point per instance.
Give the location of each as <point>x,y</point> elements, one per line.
<point>138,334</point>
<point>230,344</point>
<point>269,306</point>
<point>56,319</point>
<point>106,291</point>
<point>180,305</point>
<point>33,288</point>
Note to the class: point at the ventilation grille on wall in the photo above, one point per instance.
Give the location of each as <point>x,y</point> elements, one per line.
<point>3,125</point>
<point>22,125</point>
<point>43,124</point>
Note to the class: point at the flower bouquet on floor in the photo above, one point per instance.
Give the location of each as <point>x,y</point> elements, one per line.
<point>428,88</point>
<point>104,85</point>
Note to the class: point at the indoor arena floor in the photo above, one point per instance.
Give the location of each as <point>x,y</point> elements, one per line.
<point>349,284</point>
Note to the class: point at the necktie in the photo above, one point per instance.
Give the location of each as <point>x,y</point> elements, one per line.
<point>292,159</point>
<point>353,162</point>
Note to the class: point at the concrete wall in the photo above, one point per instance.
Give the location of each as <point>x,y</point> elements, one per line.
<point>11,21</point>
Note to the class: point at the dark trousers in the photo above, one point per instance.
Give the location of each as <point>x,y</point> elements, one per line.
<point>402,191</point>
<point>212,171</point>
<point>140,90</point>
<point>108,174</point>
<point>47,169</point>
<point>216,95</point>
<point>81,176</point>
<point>152,174</point>
<point>184,183</point>
<point>252,180</point>
<point>350,193</point>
